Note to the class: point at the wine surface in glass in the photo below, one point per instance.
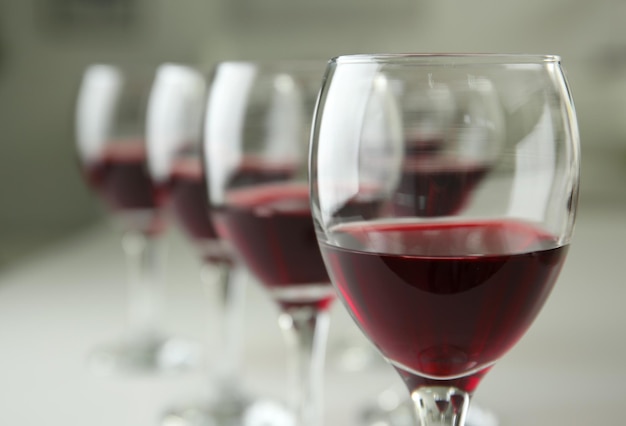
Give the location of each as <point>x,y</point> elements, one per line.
<point>120,177</point>
<point>272,227</point>
<point>443,300</point>
<point>188,191</point>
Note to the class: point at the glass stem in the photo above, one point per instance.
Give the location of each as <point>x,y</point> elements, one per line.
<point>306,330</point>
<point>232,286</point>
<point>441,405</point>
<point>145,284</point>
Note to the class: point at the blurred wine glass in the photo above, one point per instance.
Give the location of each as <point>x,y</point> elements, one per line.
<point>174,128</point>
<point>110,141</point>
<point>255,149</point>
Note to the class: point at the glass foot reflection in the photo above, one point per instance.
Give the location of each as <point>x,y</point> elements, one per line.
<point>233,410</point>
<point>158,355</point>
<point>390,409</point>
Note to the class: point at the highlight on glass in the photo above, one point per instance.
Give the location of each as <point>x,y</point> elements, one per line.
<point>444,191</point>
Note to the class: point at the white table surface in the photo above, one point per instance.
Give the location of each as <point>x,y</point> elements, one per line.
<point>569,369</point>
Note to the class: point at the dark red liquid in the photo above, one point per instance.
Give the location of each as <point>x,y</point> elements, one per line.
<point>190,201</point>
<point>443,300</point>
<point>429,187</point>
<point>121,179</point>
<point>272,228</point>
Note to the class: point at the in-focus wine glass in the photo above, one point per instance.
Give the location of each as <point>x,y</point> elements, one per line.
<point>256,151</point>
<point>174,129</point>
<point>471,224</point>
<point>110,140</point>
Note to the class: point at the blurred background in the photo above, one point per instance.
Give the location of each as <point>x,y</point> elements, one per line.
<point>46,44</point>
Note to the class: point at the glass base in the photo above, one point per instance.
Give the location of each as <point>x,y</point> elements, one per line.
<point>230,411</point>
<point>390,410</point>
<point>150,356</point>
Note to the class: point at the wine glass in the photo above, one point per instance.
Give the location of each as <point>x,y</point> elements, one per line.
<point>110,140</point>
<point>174,128</point>
<point>444,252</point>
<point>256,149</point>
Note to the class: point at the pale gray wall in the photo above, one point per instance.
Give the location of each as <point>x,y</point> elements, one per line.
<point>41,193</point>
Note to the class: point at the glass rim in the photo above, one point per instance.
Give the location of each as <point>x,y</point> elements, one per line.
<point>447,58</point>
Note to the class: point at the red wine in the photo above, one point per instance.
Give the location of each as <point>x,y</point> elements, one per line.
<point>443,300</point>
<point>272,228</point>
<point>189,197</point>
<point>431,187</point>
<point>121,178</point>
<point>190,203</point>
